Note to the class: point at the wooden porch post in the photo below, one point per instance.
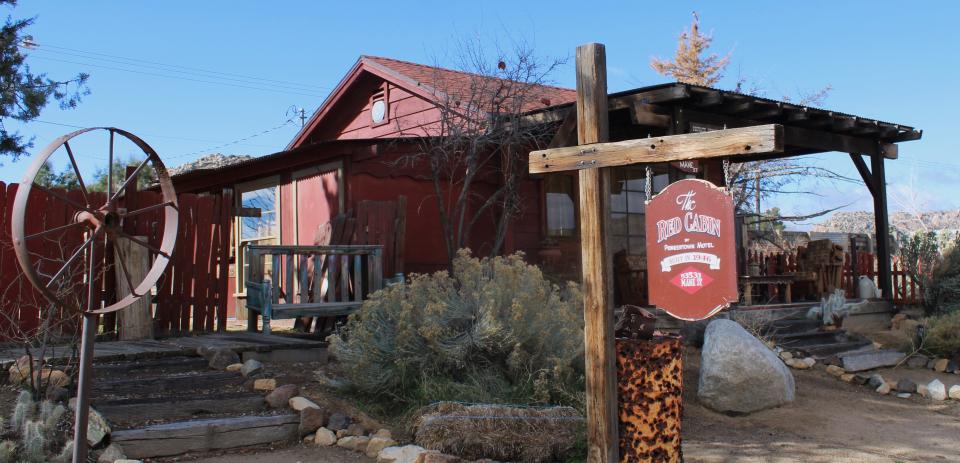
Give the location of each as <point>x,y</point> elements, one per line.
<point>882,224</point>
<point>592,127</point>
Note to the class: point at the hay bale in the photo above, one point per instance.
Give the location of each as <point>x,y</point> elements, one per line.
<point>499,432</point>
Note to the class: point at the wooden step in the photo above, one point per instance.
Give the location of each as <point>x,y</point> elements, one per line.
<point>181,382</point>
<point>204,435</point>
<point>126,413</point>
<point>160,366</point>
<point>820,351</point>
<point>798,340</point>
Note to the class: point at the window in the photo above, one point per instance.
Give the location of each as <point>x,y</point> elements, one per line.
<point>258,223</point>
<point>627,206</point>
<point>561,212</point>
<point>379,107</point>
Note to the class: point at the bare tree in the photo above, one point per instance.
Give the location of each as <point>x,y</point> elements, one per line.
<point>480,140</point>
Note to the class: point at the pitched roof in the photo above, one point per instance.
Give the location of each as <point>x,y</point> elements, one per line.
<point>430,82</point>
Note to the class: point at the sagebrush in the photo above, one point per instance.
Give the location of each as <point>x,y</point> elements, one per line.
<point>942,334</point>
<point>492,330</point>
<point>933,261</point>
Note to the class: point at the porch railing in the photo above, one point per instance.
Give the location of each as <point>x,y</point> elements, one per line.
<point>312,281</point>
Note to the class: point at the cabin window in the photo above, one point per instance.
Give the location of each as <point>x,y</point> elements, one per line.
<point>258,222</point>
<point>561,213</point>
<point>379,107</point>
<point>627,206</point>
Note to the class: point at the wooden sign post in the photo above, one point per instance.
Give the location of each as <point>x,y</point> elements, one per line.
<point>592,158</point>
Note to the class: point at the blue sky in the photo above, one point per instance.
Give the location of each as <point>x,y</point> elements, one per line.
<point>884,60</point>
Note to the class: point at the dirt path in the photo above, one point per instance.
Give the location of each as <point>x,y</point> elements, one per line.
<point>831,421</point>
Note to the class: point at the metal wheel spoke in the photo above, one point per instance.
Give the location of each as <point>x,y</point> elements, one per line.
<point>145,244</point>
<point>110,168</point>
<point>54,230</point>
<point>72,258</point>
<point>149,208</point>
<point>63,198</point>
<point>76,170</point>
<point>123,266</point>
<point>131,178</point>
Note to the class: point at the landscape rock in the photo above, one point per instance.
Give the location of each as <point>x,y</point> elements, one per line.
<point>870,360</point>
<point>97,427</point>
<point>786,355</point>
<point>847,377</point>
<point>265,384</point>
<point>441,458</point>
<point>338,421</point>
<point>937,390</point>
<point>917,361</point>
<point>20,370</point>
<point>312,419</point>
<point>405,454</point>
<point>834,370</point>
<point>941,365</point>
<point>220,358</point>
<point>377,444</point>
<point>951,367</point>
<point>383,432</point>
<point>922,390</point>
<point>234,367</point>
<point>52,377</point>
<point>954,392</point>
<point>861,378</point>
<point>884,389</point>
<point>298,403</point>
<point>355,443</point>
<point>325,437</point>
<point>251,367</point>
<point>281,396</point>
<point>58,394</point>
<point>809,361</point>
<point>876,381</point>
<point>112,453</point>
<point>906,385</point>
<point>903,395</point>
<point>931,363</point>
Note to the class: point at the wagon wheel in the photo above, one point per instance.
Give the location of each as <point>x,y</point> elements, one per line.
<point>96,220</point>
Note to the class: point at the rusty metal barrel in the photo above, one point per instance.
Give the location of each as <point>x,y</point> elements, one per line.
<point>650,398</point>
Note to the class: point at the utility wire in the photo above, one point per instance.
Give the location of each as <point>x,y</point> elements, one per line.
<point>215,148</point>
<point>147,134</point>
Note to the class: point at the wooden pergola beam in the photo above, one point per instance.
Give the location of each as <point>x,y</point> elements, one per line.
<point>743,141</point>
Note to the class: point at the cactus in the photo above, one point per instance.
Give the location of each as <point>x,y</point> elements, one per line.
<point>66,455</point>
<point>22,410</point>
<point>8,452</point>
<point>33,442</point>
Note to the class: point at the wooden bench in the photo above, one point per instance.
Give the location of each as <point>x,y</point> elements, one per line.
<point>312,281</point>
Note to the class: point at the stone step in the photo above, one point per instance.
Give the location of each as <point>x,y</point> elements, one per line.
<point>821,351</point>
<point>207,434</point>
<point>128,413</point>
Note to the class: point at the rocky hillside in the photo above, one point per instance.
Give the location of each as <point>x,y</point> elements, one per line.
<point>210,161</point>
<point>862,222</point>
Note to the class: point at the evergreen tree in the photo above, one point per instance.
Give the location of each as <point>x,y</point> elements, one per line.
<point>691,64</point>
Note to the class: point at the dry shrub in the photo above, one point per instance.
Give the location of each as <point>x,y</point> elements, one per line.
<point>942,335</point>
<point>492,330</point>
<point>499,432</point>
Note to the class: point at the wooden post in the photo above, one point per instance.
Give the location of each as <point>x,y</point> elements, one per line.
<point>882,224</point>
<point>592,127</point>
<point>136,321</point>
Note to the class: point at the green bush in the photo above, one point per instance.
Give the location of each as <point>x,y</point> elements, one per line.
<point>492,330</point>
<point>933,261</point>
<point>942,335</point>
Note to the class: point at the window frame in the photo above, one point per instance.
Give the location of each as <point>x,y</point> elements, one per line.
<point>239,243</point>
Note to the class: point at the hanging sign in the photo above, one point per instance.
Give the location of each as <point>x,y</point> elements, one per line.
<point>689,167</point>
<point>691,250</point>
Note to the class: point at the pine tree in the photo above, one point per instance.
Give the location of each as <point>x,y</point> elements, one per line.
<point>691,64</point>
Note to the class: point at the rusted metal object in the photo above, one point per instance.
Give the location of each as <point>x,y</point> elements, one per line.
<point>101,224</point>
<point>635,323</point>
<point>650,398</point>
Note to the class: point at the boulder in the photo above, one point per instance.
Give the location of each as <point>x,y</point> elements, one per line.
<point>954,392</point>
<point>941,365</point>
<point>377,444</point>
<point>97,427</point>
<point>298,403</point>
<point>325,437</point>
<point>869,360</point>
<point>906,385</point>
<point>739,374</point>
<point>405,454</point>
<point>951,367</point>
<point>383,432</point>
<point>265,384</point>
<point>251,367</point>
<point>280,397</point>
<point>312,419</point>
<point>917,361</point>
<point>220,358</point>
<point>355,443</point>
<point>936,390</point>
<point>20,370</point>
<point>338,421</point>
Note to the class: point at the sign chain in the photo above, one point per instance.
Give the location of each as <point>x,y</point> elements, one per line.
<point>649,185</point>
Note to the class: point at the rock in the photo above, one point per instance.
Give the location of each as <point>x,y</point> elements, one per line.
<point>377,444</point>
<point>847,377</point>
<point>922,390</point>
<point>798,364</point>
<point>937,390</point>
<point>325,437</point>
<point>220,358</point>
<point>876,381</point>
<point>52,377</point>
<point>931,363</point>
<point>739,374</point>
<point>112,453</point>
<point>917,361</point>
<point>809,361</point>
<point>785,355</point>
<point>58,394</point>
<point>355,443</point>
<point>383,432</point>
<point>906,385</point>
<point>861,378</point>
<point>251,367</point>
<point>338,421</point>
<point>298,403</point>
<point>265,384</point>
<point>870,360</point>
<point>281,396</point>
<point>903,395</point>
<point>951,367</point>
<point>312,419</point>
<point>954,392</point>
<point>897,320</point>
<point>405,454</point>
<point>884,389</point>
<point>941,365</point>
<point>234,367</point>
<point>97,427</point>
<point>834,370</point>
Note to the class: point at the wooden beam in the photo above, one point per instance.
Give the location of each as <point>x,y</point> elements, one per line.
<point>826,141</point>
<point>661,95</point>
<point>709,99</point>
<point>601,377</point>
<point>864,172</point>
<point>714,144</point>
<point>882,225</point>
<point>644,114</point>
<point>567,132</point>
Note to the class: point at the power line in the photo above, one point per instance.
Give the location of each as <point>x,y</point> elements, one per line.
<point>214,148</point>
<point>147,134</point>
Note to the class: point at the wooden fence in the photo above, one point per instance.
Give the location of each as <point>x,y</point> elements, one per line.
<point>905,290</point>
<point>190,297</point>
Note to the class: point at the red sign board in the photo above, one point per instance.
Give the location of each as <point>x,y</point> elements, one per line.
<point>690,167</point>
<point>691,250</point>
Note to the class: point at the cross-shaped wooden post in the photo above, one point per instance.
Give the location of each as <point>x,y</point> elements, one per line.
<point>592,157</point>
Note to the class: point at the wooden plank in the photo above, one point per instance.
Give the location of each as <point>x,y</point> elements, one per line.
<point>135,321</point>
<point>171,382</point>
<point>203,435</point>
<point>225,225</point>
<point>202,275</point>
<point>125,412</point>
<point>592,127</point>
<point>826,141</point>
<point>400,234</point>
<point>744,141</point>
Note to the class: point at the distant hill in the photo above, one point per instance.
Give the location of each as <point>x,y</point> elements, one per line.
<point>901,222</point>
<point>210,161</point>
